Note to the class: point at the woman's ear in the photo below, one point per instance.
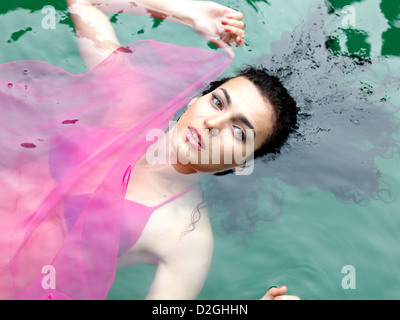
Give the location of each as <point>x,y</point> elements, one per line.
<point>239,169</point>
<point>245,169</point>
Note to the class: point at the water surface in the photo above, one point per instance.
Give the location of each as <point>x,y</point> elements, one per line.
<point>331,199</point>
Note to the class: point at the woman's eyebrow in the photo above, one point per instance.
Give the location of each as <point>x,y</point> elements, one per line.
<point>227,96</point>
<point>241,118</point>
<point>247,123</point>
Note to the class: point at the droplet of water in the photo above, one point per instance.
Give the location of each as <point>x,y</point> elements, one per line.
<point>28,145</point>
<point>70,121</point>
<point>10,85</point>
<point>26,71</point>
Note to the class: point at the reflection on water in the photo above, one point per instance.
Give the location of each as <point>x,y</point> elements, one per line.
<point>350,100</point>
<point>254,5</point>
<point>391,11</point>
<point>357,40</point>
<point>348,118</point>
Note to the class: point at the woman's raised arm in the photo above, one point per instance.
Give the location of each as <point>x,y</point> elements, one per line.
<point>96,37</point>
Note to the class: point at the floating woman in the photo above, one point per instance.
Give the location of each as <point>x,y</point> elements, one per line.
<point>80,191</point>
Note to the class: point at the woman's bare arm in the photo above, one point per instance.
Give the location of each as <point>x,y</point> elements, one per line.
<point>97,39</point>
<point>182,274</point>
<point>96,36</point>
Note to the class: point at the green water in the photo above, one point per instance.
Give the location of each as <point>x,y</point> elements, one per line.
<point>316,234</point>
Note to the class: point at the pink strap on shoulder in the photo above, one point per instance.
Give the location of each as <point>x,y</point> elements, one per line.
<point>174,197</point>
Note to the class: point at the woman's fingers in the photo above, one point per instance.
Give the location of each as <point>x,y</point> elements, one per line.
<point>236,33</point>
<point>236,15</point>
<point>233,23</point>
<point>287,298</point>
<point>220,23</point>
<point>274,292</point>
<point>278,294</point>
<point>234,28</point>
<point>223,45</point>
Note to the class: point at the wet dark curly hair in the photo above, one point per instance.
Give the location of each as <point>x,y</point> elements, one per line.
<point>286,112</point>
<point>273,91</point>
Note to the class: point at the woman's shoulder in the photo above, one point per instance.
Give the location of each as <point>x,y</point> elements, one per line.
<point>187,212</point>
<point>180,223</point>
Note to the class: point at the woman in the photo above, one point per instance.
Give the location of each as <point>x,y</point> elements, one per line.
<point>237,113</point>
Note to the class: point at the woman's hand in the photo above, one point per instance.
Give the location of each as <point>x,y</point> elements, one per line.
<point>278,294</point>
<point>218,24</point>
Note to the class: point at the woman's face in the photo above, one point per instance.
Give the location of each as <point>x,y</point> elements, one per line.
<point>222,129</point>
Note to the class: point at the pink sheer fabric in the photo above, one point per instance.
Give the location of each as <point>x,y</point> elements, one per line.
<point>65,135</point>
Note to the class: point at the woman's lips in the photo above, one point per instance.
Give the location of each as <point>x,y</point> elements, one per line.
<point>193,136</point>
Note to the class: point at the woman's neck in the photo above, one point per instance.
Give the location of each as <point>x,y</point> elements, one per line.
<point>167,171</point>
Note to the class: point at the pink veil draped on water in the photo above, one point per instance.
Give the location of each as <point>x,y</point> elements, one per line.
<point>65,135</point>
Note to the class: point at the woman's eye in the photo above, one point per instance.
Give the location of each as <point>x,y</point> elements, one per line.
<point>217,102</point>
<point>239,133</point>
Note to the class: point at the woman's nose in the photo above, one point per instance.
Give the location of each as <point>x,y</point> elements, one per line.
<point>218,122</point>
